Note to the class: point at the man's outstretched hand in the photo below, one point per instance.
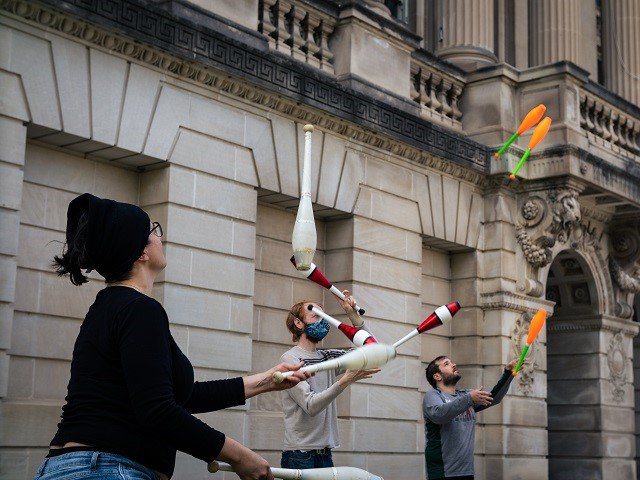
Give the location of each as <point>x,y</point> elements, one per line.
<point>481,397</point>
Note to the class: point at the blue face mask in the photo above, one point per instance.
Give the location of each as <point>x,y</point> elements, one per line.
<point>317,331</point>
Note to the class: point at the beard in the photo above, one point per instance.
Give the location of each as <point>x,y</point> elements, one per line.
<point>450,380</point>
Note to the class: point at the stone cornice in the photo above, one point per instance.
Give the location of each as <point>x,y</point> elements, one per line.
<point>514,302</point>
<point>603,173</point>
<point>604,323</point>
<point>193,51</point>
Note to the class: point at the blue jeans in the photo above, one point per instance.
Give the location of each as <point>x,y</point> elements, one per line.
<point>93,465</point>
<point>304,460</point>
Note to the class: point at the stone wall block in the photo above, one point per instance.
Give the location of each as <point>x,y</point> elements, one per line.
<point>333,157</point>
<point>223,273</point>
<point>171,112</point>
<point>368,432</point>
<point>13,102</point>
<point>352,176</point>
<point>143,89</point>
<point>387,177</point>
<point>70,61</point>
<point>12,140</point>
<point>31,58</point>
<point>220,350</point>
<point>286,147</point>
<point>10,187</point>
<point>437,204</point>
<point>258,137</point>
<point>108,77</point>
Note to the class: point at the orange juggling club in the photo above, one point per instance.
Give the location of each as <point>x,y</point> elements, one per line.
<point>538,134</point>
<point>533,117</point>
<point>534,329</point>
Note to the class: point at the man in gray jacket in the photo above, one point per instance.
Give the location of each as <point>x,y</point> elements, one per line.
<point>450,419</point>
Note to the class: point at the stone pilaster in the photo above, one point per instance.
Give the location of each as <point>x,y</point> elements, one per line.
<point>621,48</point>
<point>468,33</point>
<point>12,146</point>
<point>563,30</point>
<point>365,50</point>
<point>512,440</point>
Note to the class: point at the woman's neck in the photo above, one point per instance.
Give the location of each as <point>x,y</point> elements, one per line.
<point>139,282</point>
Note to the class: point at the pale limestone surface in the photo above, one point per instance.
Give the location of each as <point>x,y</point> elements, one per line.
<point>229,284</point>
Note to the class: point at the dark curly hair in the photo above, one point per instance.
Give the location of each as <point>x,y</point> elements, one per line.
<point>432,369</point>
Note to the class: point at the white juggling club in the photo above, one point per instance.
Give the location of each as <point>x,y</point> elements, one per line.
<point>371,355</point>
<point>441,316</point>
<point>304,236</point>
<point>358,336</point>
<point>333,473</point>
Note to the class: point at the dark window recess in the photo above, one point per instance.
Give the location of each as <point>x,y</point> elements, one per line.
<point>399,9</point>
<point>600,78</point>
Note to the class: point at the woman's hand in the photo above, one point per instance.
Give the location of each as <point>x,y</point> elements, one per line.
<point>263,382</point>
<point>247,464</point>
<point>349,307</point>
<point>351,376</point>
<point>288,382</point>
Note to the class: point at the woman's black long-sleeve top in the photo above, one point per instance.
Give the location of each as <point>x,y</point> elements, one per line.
<point>132,390</point>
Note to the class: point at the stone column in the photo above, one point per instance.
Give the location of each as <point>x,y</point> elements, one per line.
<point>468,33</point>
<point>563,30</point>
<point>621,47</point>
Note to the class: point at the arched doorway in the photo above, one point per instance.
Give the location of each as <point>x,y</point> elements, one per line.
<point>573,370</point>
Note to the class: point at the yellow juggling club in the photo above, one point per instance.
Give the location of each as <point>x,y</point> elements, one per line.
<point>534,329</point>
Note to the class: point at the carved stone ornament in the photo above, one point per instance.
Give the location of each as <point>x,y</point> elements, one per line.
<point>624,281</point>
<point>549,218</point>
<point>617,362</point>
<point>518,340</point>
<point>624,264</point>
<point>566,213</point>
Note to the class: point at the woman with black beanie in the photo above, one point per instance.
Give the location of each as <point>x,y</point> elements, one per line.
<point>132,393</point>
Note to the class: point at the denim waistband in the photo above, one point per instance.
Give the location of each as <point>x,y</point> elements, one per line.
<point>316,451</point>
<point>92,459</point>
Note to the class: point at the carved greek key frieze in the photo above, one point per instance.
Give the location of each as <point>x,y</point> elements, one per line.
<point>257,77</point>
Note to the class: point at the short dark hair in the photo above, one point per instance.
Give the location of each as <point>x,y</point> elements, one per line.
<point>432,369</point>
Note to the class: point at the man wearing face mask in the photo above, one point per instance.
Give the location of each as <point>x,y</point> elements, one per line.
<point>310,414</point>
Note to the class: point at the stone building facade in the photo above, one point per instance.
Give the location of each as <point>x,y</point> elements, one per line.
<point>194,111</point>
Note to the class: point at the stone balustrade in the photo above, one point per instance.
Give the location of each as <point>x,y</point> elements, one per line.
<point>437,93</point>
<point>603,120</point>
<point>298,29</point>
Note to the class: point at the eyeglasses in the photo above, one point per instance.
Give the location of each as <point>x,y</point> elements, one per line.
<point>157,229</point>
